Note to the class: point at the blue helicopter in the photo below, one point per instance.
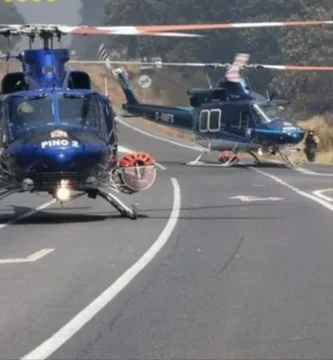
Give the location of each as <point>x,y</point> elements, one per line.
<point>229,118</point>
<point>57,134</point>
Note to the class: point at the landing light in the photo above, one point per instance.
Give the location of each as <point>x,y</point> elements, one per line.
<point>63,194</point>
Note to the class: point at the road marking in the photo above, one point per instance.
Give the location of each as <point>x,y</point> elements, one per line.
<point>310,172</point>
<point>320,195</point>
<point>27,214</point>
<point>254,198</point>
<point>196,148</point>
<point>58,339</point>
<point>126,150</point>
<point>322,202</point>
<point>32,258</point>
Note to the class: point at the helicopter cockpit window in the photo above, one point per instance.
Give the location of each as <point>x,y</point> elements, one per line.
<point>267,113</point>
<point>82,110</point>
<point>29,112</point>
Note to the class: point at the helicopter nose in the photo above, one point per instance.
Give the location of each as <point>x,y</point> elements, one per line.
<point>296,136</point>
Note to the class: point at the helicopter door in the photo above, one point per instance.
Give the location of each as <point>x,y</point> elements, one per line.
<point>215,120</point>
<point>241,122</point>
<point>203,121</point>
<point>210,121</point>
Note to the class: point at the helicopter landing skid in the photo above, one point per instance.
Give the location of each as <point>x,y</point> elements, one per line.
<point>6,193</point>
<point>123,209</point>
<point>8,190</point>
<point>255,157</point>
<point>198,162</point>
<point>288,162</point>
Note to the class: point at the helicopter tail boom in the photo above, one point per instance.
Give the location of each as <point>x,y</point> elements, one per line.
<point>176,117</point>
<point>123,80</point>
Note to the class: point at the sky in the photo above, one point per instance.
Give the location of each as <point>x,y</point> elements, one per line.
<point>64,12</point>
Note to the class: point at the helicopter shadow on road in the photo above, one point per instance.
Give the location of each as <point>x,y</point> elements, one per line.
<point>54,217</point>
<point>164,213</point>
<point>57,216</point>
<point>158,213</point>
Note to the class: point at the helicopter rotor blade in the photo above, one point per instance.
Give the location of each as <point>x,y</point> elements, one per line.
<point>208,65</point>
<point>291,67</point>
<point>144,30</point>
<point>233,70</point>
<point>60,30</point>
<point>149,30</point>
<point>154,63</point>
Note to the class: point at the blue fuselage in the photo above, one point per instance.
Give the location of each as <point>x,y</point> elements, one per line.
<point>56,148</point>
<point>231,128</point>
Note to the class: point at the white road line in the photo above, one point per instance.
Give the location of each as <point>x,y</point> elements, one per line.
<point>52,344</point>
<point>32,258</point>
<point>322,202</point>
<point>196,148</point>
<point>320,194</point>
<point>126,150</point>
<point>310,172</point>
<point>27,214</point>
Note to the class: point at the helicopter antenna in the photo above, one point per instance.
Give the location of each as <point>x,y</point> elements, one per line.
<point>106,85</point>
<point>267,95</point>
<point>209,82</point>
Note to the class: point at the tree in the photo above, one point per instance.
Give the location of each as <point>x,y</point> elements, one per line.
<point>9,15</point>
<point>266,45</point>
<point>92,14</point>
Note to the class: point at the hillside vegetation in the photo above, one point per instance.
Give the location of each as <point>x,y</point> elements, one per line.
<point>9,15</point>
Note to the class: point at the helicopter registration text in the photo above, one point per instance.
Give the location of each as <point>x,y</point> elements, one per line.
<point>164,117</point>
<point>59,142</point>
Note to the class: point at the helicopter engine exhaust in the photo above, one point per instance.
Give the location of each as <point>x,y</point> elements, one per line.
<point>137,172</point>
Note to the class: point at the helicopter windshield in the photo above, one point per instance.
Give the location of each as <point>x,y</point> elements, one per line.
<point>267,113</point>
<point>29,112</point>
<point>82,110</point>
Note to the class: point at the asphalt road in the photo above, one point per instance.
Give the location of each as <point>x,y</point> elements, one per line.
<point>224,276</point>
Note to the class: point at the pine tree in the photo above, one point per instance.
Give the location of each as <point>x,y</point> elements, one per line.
<point>9,15</point>
<point>92,14</point>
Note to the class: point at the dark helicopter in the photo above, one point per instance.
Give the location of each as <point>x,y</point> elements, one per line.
<point>57,134</point>
<point>229,118</point>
